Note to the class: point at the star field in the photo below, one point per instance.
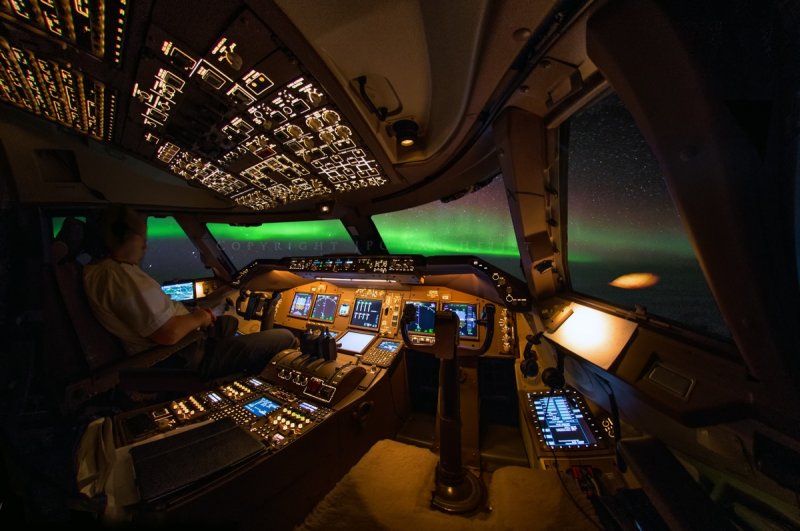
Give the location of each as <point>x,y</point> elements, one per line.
<point>621,221</point>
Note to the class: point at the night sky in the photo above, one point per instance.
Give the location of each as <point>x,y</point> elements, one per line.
<point>171,255</point>
<point>621,220</point>
<point>279,240</point>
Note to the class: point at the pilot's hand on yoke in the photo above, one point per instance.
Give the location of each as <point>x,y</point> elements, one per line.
<point>205,315</point>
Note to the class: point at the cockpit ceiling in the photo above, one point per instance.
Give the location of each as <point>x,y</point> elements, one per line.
<point>256,105</point>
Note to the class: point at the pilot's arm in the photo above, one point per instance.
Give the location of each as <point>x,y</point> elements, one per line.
<point>217,299</point>
<point>136,300</point>
<point>178,326</point>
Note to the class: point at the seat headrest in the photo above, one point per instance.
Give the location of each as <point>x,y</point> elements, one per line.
<point>68,243</point>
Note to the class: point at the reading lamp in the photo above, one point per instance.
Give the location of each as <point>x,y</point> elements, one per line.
<point>325,208</point>
<point>406,132</point>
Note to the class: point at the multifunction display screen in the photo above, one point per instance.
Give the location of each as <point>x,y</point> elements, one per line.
<point>467,317</point>
<point>563,421</point>
<point>367,313</point>
<point>388,345</point>
<point>179,292</point>
<point>325,308</point>
<point>425,319</point>
<point>262,406</point>
<point>301,305</point>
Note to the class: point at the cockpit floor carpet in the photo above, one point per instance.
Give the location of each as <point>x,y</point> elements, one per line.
<point>390,488</point>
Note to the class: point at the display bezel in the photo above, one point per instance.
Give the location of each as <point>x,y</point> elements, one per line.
<point>319,297</point>
<point>354,311</point>
<point>445,304</point>
<point>435,308</point>
<point>310,305</point>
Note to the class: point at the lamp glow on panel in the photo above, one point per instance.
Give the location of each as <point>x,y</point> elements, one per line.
<point>593,335</point>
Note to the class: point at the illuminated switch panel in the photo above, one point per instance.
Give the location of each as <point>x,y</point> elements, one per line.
<point>244,120</point>
<point>236,391</point>
<point>256,200</point>
<point>55,91</point>
<point>193,168</point>
<point>92,26</point>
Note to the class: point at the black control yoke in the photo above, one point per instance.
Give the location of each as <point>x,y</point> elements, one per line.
<point>255,304</point>
<point>446,316</point>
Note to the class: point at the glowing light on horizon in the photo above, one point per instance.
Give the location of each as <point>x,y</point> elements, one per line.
<point>635,281</point>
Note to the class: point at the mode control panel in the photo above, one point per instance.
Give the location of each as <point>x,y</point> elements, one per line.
<point>356,264</point>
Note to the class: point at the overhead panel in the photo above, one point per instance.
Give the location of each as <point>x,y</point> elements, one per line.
<point>212,97</point>
<point>245,120</point>
<point>92,26</point>
<point>48,85</point>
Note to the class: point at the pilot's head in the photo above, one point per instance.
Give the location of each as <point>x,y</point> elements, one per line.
<point>124,233</point>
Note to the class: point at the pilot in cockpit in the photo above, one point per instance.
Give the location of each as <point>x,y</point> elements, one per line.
<point>131,305</point>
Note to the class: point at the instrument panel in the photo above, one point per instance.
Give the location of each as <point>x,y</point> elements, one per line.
<point>371,315</point>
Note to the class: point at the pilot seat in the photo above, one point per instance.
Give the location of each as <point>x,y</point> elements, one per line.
<point>83,358</point>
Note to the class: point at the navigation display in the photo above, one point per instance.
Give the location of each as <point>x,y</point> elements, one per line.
<point>467,317</point>
<point>355,342</point>
<point>301,305</point>
<point>325,308</point>
<point>179,292</point>
<point>262,406</point>
<point>425,319</point>
<point>367,313</point>
<point>563,421</point>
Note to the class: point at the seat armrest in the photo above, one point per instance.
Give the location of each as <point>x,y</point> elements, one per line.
<point>108,376</point>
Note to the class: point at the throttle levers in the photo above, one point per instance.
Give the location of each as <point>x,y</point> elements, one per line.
<point>318,343</point>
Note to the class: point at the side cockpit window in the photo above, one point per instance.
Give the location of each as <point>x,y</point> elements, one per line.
<point>626,242</point>
<point>171,255</point>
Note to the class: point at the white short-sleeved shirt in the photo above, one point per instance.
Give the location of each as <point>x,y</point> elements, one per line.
<point>128,302</point>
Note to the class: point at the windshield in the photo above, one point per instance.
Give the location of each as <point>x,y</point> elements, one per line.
<point>279,240</point>
<point>477,224</point>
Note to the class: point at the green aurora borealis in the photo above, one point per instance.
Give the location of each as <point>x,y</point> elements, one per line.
<point>477,224</point>
<point>287,232</point>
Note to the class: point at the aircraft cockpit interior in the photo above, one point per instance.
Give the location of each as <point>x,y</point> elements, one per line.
<point>474,264</point>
